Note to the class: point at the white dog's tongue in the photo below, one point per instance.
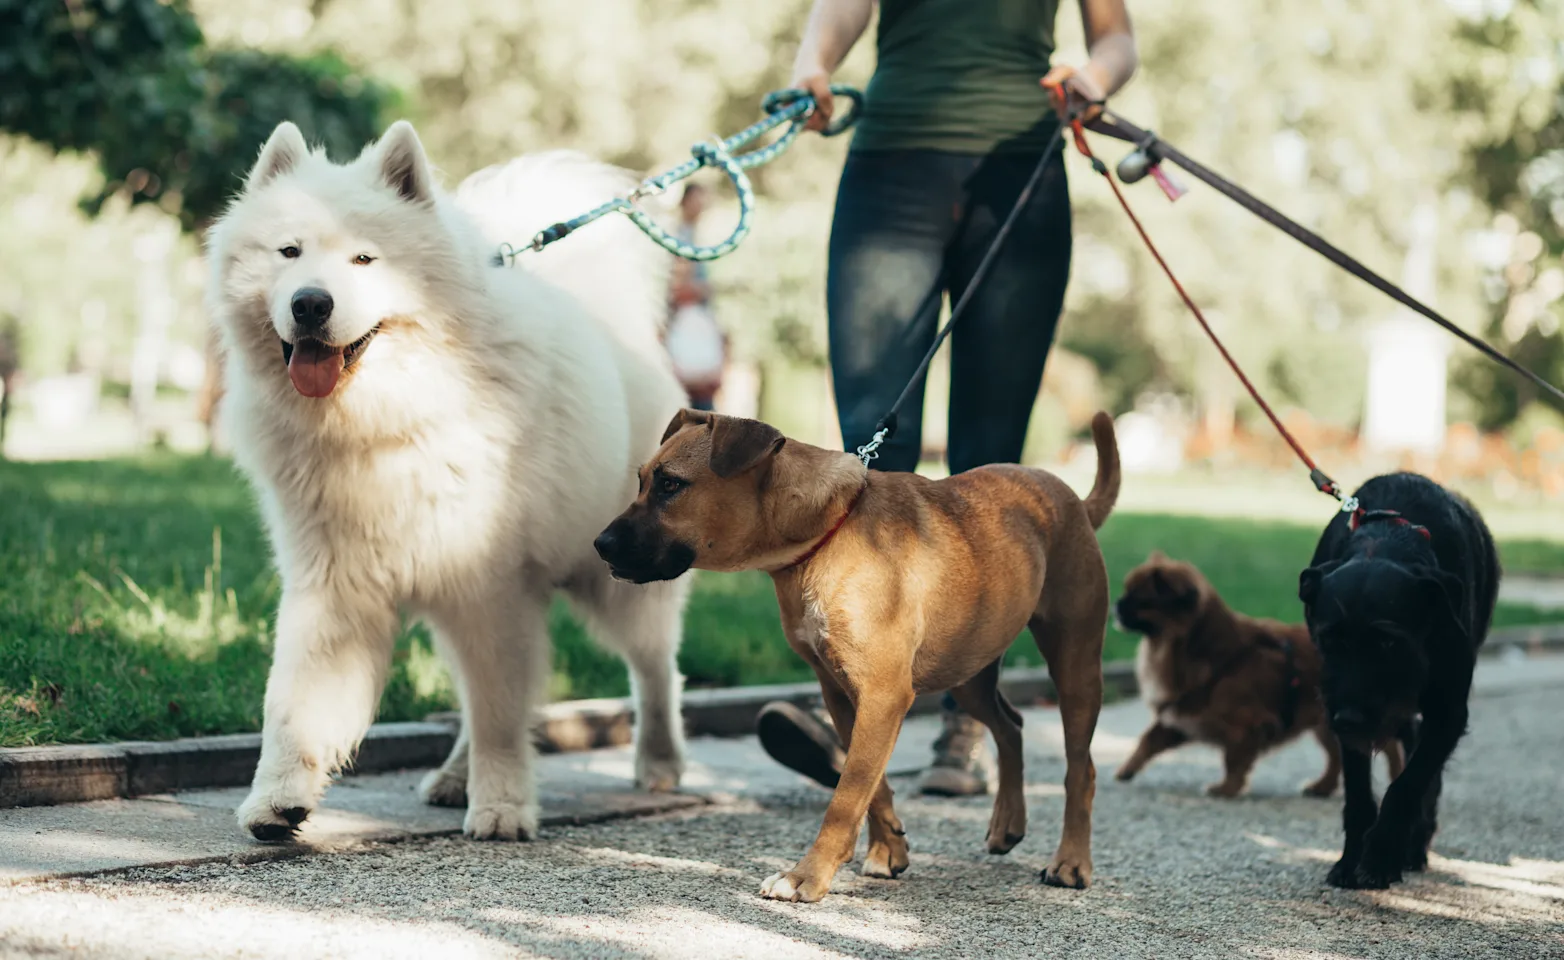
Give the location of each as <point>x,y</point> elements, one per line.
<point>315,368</point>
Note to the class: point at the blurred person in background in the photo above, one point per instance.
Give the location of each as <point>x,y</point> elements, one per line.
<point>695,342</point>
<point>957,117</point>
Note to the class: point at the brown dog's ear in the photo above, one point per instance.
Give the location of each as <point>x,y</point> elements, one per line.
<point>738,445</point>
<point>683,419</point>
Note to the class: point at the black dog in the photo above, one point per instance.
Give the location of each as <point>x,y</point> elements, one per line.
<point>1398,599</point>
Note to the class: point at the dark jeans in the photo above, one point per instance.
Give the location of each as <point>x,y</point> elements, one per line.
<point>908,223</point>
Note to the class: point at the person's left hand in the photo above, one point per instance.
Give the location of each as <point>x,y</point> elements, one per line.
<point>1080,92</point>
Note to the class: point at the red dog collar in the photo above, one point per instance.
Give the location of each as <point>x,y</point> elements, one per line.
<point>1361,516</point>
<point>820,544</point>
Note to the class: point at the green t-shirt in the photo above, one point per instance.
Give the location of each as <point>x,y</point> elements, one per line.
<point>960,75</point>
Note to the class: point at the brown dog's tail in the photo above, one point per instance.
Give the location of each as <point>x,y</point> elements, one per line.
<point>1105,490</point>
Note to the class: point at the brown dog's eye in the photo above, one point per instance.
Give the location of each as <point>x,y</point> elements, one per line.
<point>667,486</point>
<point>363,260</point>
<point>291,252</point>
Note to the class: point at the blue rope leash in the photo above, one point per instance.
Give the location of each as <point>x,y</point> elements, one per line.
<point>791,107</point>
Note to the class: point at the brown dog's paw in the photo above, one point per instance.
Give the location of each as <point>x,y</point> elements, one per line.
<point>1320,788</point>
<point>1007,825</point>
<point>887,859</point>
<point>1000,844</point>
<point>1125,774</point>
<point>1068,872</point>
<point>1226,790</point>
<point>794,887</point>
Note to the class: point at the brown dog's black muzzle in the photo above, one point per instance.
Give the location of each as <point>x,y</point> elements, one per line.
<point>635,550</point>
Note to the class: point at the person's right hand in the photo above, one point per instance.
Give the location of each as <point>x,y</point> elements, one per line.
<point>818,85</point>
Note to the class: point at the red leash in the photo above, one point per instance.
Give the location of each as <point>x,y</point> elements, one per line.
<point>1323,482</point>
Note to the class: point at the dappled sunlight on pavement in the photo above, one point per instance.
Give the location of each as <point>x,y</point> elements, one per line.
<point>1176,874</point>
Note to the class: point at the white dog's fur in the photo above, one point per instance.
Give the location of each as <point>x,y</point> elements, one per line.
<point>459,471</point>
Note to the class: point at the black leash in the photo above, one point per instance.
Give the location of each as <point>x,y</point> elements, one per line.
<point>886,427</point>
<point>1151,150</point>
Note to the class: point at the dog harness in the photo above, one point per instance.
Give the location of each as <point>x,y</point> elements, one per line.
<point>820,544</point>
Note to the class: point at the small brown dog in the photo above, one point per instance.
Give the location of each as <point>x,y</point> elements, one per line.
<point>1215,676</point>
<point>891,584</point>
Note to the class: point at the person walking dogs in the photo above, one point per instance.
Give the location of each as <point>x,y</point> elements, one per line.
<point>955,121</point>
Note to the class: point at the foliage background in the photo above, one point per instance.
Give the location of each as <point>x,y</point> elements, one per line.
<point>1348,115</point>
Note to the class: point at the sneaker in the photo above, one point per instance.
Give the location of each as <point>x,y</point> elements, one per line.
<point>801,740</point>
<point>963,765</point>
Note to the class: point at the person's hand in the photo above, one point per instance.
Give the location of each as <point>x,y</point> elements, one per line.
<point>816,83</point>
<point>1077,90</point>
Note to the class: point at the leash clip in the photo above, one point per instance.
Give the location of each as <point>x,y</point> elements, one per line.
<point>648,188</point>
<point>1349,505</point>
<point>869,452</point>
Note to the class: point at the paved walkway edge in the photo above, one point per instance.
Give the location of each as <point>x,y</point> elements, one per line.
<point>47,776</point>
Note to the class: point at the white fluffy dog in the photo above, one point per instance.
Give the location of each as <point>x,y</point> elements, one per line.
<point>430,432</point>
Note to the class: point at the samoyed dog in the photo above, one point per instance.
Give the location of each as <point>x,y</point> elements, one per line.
<point>432,432</point>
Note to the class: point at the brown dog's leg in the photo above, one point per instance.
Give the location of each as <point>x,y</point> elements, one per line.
<point>1326,784</point>
<point>1074,654</point>
<point>887,856</point>
<point>880,706</point>
<point>1238,759</point>
<point>981,699</point>
<point>1155,740</point>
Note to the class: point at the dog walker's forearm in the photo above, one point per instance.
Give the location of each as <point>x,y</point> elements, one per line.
<point>832,29</point>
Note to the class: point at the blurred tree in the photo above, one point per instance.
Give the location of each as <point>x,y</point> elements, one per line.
<point>1509,91</point>
<point>170,120</point>
<point>1341,113</point>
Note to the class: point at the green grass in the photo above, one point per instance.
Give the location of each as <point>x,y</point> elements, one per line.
<point>136,598</point>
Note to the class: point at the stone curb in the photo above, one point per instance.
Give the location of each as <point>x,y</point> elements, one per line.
<point>46,776</point>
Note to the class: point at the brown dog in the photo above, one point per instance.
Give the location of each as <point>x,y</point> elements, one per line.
<point>1215,676</point>
<point>891,584</point>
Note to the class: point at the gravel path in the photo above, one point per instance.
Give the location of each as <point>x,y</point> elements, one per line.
<point>1178,875</point>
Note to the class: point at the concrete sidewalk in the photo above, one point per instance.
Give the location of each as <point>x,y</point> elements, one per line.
<point>1177,874</point>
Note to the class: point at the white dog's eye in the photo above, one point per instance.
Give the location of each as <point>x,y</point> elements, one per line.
<point>363,260</point>
<point>291,251</point>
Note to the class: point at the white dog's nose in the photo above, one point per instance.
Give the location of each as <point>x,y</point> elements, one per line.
<point>311,307</point>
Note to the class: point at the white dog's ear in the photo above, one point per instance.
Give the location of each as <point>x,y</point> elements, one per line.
<point>403,165</point>
<point>282,152</point>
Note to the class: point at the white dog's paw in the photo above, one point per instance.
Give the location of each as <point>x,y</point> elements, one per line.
<point>269,820</point>
<point>441,788</point>
<point>658,774</point>
<point>502,821</point>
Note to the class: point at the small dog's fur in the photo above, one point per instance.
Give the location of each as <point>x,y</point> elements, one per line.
<point>891,584</point>
<point>1215,676</point>
<point>1398,607</point>
<point>429,431</point>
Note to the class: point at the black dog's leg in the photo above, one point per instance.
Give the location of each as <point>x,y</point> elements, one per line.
<point>1411,800</point>
<point>1423,831</point>
<point>1357,813</point>
<point>1428,818</point>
